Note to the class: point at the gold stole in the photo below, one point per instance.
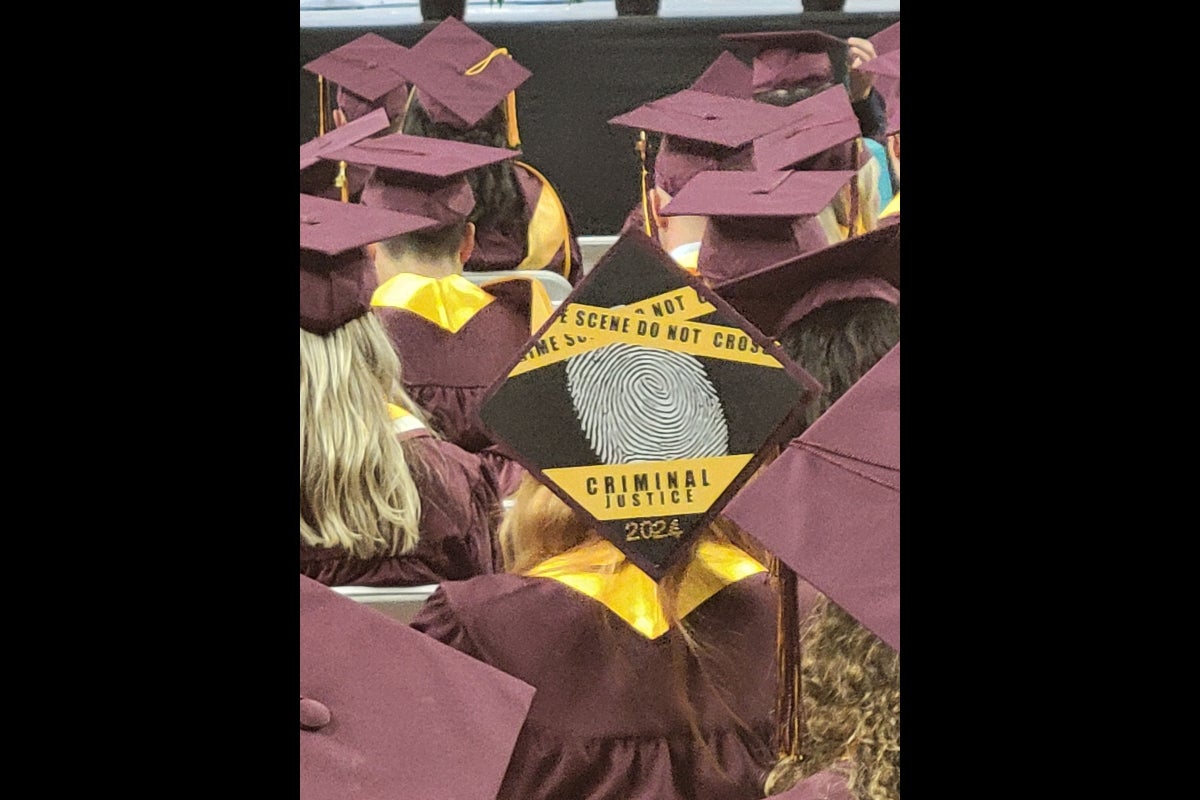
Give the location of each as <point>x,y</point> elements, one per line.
<point>548,228</point>
<point>601,571</point>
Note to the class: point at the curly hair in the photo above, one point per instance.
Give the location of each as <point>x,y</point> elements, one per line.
<point>851,692</point>
<point>499,204</point>
<point>357,490</point>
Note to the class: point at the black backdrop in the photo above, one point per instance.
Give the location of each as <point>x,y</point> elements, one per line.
<point>585,73</point>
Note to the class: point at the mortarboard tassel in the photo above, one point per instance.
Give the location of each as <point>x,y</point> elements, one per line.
<point>510,113</point>
<point>320,106</point>
<point>510,104</point>
<point>640,146</point>
<point>342,182</point>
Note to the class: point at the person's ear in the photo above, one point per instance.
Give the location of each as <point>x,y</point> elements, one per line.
<point>656,203</point>
<point>339,118</point>
<point>467,246</point>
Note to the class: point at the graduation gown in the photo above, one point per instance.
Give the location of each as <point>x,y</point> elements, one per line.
<point>824,785</point>
<point>549,241</point>
<point>454,340</point>
<point>606,721</point>
<point>460,508</point>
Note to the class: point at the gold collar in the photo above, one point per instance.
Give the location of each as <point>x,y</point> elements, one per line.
<point>601,571</point>
<point>448,302</point>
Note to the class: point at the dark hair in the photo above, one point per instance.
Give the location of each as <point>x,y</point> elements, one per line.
<point>433,244</point>
<point>499,204</point>
<point>838,342</point>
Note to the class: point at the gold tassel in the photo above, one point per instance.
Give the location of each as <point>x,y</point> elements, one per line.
<point>320,105</point>
<point>342,182</point>
<point>640,146</point>
<point>510,113</point>
<point>510,106</point>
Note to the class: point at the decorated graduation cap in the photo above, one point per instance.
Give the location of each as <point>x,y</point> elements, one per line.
<point>327,178</point>
<point>788,59</point>
<point>337,276</point>
<point>864,266</point>
<point>460,77</point>
<point>829,506</point>
<point>368,75</point>
<point>387,712</point>
<point>420,175</point>
<point>818,135</point>
<point>654,398</point>
<point>757,218</point>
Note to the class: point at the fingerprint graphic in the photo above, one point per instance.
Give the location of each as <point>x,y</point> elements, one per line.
<point>642,404</point>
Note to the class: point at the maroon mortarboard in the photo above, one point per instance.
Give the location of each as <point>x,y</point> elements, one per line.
<point>829,506</point>
<point>461,76</point>
<point>784,59</point>
<point>886,40</point>
<point>863,266</point>
<point>727,75</point>
<point>820,125</point>
<point>337,276</point>
<point>327,178</point>
<point>705,117</point>
<point>419,174</point>
<point>388,713</point>
<point>701,132</point>
<point>655,401</point>
<point>368,74</point>
<point>757,218</point>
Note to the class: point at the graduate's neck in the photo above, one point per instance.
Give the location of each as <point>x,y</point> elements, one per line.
<point>432,268</point>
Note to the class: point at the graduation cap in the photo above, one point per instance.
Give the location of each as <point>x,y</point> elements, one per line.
<point>419,174</point>
<point>460,77</point>
<point>787,59</point>
<point>829,506</point>
<point>387,712</point>
<point>326,178</point>
<point>886,40</point>
<point>654,400</point>
<point>368,75</point>
<point>727,75</point>
<point>337,276</point>
<point>821,125</point>
<point>757,218</point>
<point>701,132</point>
<point>777,296</point>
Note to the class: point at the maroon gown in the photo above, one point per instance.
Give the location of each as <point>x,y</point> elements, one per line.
<point>554,228</point>
<point>460,510</point>
<point>604,723</point>
<point>447,373</point>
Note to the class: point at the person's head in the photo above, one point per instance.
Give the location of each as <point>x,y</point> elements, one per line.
<point>838,342</point>
<point>423,178</point>
<point>368,73</point>
<point>793,64</point>
<point>436,252</point>
<point>757,219</point>
<point>498,200</point>
<point>356,489</point>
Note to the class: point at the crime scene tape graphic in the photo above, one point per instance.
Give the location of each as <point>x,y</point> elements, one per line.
<point>643,404</point>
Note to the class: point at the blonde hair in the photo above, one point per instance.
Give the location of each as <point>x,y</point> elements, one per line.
<point>850,685</point>
<point>356,486</point>
<point>836,216</point>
